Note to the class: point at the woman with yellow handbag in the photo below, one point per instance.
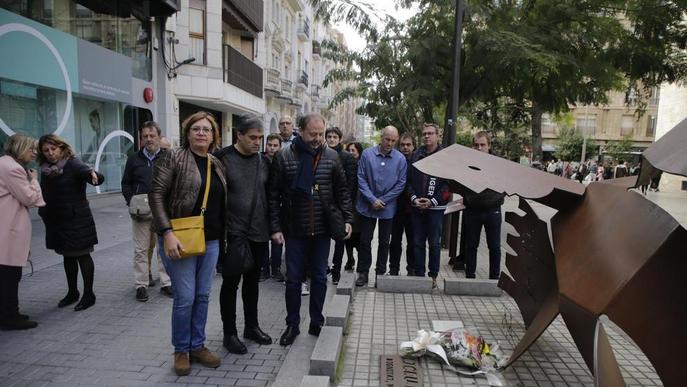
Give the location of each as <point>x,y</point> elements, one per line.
<point>188,203</point>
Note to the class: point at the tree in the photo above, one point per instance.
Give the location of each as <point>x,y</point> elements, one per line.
<point>570,142</point>
<point>620,150</point>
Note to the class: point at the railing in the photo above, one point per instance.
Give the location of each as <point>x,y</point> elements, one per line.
<point>316,48</point>
<point>272,81</point>
<point>286,87</point>
<point>241,71</point>
<point>252,10</point>
<point>303,79</point>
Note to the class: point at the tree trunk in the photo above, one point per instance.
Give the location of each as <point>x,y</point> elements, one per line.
<point>537,114</point>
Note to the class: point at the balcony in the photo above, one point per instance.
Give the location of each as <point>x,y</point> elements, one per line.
<point>303,31</point>
<point>315,92</point>
<point>316,49</point>
<point>241,71</point>
<point>272,81</point>
<point>302,83</point>
<point>286,88</point>
<point>238,12</point>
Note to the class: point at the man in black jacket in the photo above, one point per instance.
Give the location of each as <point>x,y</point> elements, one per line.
<point>482,209</point>
<point>428,196</point>
<point>247,216</point>
<point>307,190</point>
<point>136,180</point>
<point>333,136</point>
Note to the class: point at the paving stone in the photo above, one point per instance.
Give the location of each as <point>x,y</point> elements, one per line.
<point>403,284</point>
<point>315,381</point>
<point>336,311</point>
<point>327,350</point>
<point>472,287</point>
<point>346,284</point>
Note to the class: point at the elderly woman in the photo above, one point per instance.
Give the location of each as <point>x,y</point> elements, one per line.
<point>178,191</point>
<point>19,190</point>
<point>69,225</point>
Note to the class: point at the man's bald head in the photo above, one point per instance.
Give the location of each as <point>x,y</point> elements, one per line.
<point>389,139</point>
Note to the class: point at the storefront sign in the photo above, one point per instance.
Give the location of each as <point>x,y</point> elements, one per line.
<point>104,73</point>
<point>395,371</point>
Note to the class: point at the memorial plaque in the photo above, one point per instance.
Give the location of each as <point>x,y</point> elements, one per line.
<point>395,371</point>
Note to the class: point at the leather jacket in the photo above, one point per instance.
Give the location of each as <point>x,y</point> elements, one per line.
<point>297,214</point>
<point>176,186</point>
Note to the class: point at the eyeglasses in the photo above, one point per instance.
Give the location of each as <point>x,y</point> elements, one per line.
<point>204,129</point>
<point>284,123</point>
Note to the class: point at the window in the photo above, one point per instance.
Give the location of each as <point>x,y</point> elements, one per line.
<point>653,98</point>
<point>196,32</point>
<point>586,124</point>
<point>547,125</point>
<point>651,126</point>
<point>247,47</point>
<point>631,97</point>
<point>627,125</point>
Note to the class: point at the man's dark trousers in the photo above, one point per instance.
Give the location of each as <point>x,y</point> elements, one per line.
<point>249,291</point>
<point>427,230</point>
<point>402,221</point>
<point>367,229</point>
<point>474,220</point>
<point>275,259</point>
<point>314,250</point>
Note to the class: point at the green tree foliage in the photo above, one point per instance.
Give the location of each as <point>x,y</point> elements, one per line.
<point>620,150</point>
<point>570,142</point>
<point>532,57</point>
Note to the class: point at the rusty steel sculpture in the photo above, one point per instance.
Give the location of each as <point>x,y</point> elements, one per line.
<point>631,265</point>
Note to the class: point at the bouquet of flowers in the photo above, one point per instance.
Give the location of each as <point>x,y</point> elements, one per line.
<point>457,347</point>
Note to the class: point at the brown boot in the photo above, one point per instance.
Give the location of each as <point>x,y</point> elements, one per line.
<point>206,358</point>
<point>182,365</point>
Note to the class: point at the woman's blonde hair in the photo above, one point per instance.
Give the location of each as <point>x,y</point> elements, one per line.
<point>18,144</point>
<point>53,139</point>
<point>192,119</point>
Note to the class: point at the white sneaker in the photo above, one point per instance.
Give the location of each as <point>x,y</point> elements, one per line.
<point>305,289</point>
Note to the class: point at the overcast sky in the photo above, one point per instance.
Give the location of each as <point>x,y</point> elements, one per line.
<point>357,43</point>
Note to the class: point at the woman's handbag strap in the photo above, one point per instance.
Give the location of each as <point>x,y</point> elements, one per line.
<point>207,187</point>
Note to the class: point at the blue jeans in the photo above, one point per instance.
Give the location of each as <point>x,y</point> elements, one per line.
<point>315,251</point>
<point>427,230</point>
<point>192,280</point>
<point>474,220</point>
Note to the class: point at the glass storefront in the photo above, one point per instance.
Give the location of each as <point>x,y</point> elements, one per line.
<point>37,110</point>
<point>107,23</point>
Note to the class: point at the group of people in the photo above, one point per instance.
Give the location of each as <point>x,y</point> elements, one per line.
<point>69,225</point>
<point>304,190</point>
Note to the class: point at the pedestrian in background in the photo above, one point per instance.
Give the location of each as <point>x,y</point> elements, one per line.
<point>179,183</point>
<point>356,149</point>
<point>136,180</point>
<point>273,261</point>
<point>382,173</point>
<point>483,210</point>
<point>19,190</point>
<point>246,173</point>
<point>69,225</point>
<point>402,221</point>
<point>428,196</point>
<point>333,137</point>
<point>305,177</point>
<point>286,131</point>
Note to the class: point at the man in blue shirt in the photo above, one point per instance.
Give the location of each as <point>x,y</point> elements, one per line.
<point>382,172</point>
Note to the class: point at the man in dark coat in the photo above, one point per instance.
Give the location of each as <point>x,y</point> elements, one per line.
<point>307,188</point>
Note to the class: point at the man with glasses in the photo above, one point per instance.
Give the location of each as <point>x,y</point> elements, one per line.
<point>482,209</point>
<point>286,131</point>
<point>428,196</point>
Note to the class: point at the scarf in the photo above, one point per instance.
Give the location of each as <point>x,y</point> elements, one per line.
<point>306,171</point>
<point>52,170</point>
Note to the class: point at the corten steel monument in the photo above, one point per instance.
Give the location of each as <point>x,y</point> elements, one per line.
<point>615,253</point>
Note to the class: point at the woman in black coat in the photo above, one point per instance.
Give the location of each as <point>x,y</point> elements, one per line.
<point>69,224</point>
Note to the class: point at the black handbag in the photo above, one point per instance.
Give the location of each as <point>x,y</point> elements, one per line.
<point>240,258</point>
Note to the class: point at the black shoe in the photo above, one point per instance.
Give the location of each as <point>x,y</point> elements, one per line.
<point>279,277</point>
<point>411,273</point>
<point>349,266</point>
<point>336,276</point>
<point>393,272</point>
<point>86,302</point>
<point>17,323</point>
<point>23,316</point>
<point>329,270</point>
<point>289,335</point>
<point>151,281</point>
<point>141,294</point>
<point>234,345</point>
<point>167,291</point>
<point>314,330</point>
<point>256,334</point>
<point>362,279</point>
<point>264,276</point>
<point>458,266</point>
<point>69,299</point>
